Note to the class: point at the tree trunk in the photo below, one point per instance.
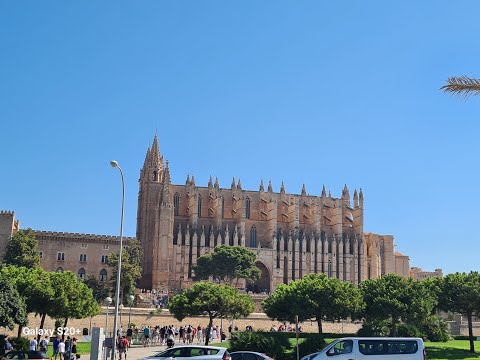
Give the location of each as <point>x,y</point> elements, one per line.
<point>42,322</point>
<point>319,323</point>
<point>470,333</point>
<point>19,333</point>
<point>64,326</point>
<point>208,330</point>
<point>393,329</point>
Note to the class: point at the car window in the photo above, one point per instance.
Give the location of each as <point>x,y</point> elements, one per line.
<point>371,347</point>
<point>16,356</point>
<point>248,356</point>
<point>341,347</point>
<point>236,356</point>
<point>260,357</point>
<point>197,352</point>
<point>211,351</point>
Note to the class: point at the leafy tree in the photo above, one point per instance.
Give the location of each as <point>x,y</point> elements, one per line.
<point>22,249</point>
<point>395,299</point>
<point>131,269</point>
<point>214,300</point>
<point>315,296</point>
<point>460,293</point>
<point>13,309</point>
<point>99,288</point>
<point>73,299</point>
<point>35,286</point>
<point>462,86</point>
<point>227,264</point>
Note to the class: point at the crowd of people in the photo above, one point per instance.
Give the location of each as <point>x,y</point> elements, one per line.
<point>62,349</point>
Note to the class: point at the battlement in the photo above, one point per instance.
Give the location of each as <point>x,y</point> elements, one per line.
<point>59,235</point>
<point>7,212</point>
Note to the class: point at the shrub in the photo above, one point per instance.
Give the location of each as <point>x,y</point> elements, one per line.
<point>409,330</point>
<point>374,328</point>
<point>314,343</point>
<point>436,329</point>
<point>20,343</point>
<point>274,344</point>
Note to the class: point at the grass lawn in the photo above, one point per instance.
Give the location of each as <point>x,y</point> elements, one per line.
<point>454,349</point>
<point>82,348</point>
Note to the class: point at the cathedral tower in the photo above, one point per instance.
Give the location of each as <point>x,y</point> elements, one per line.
<point>155,219</point>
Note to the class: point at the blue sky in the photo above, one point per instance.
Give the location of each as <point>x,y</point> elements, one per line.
<point>310,92</point>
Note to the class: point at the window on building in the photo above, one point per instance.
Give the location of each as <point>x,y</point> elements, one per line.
<point>155,175</point>
<point>105,247</point>
<point>59,269</point>
<point>253,237</point>
<point>330,271</point>
<point>61,256</point>
<point>81,274</point>
<point>176,203</point>
<point>223,207</point>
<point>83,257</point>
<point>103,275</point>
<point>83,246</point>
<point>199,205</point>
<point>40,254</point>
<point>104,259</point>
<point>247,207</point>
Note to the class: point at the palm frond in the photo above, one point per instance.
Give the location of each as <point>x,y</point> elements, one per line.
<point>462,86</point>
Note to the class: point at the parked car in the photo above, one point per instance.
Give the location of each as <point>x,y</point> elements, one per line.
<point>249,355</point>
<point>373,349</point>
<point>24,355</point>
<point>197,351</point>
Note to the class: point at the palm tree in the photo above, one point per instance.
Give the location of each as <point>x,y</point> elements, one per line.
<point>462,86</point>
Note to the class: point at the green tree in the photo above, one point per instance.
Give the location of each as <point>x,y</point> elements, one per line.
<point>35,286</point>
<point>395,299</point>
<point>214,300</point>
<point>462,86</point>
<point>315,296</point>
<point>227,264</point>
<point>131,269</point>
<point>22,249</point>
<point>13,309</point>
<point>73,299</point>
<point>460,293</point>
<point>100,289</point>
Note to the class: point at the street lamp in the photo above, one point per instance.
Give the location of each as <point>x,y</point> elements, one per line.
<point>107,301</point>
<point>119,270</point>
<point>131,298</point>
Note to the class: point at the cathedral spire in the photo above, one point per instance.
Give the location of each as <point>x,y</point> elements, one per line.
<point>233,186</point>
<point>193,180</point>
<point>345,193</point>
<point>210,182</point>
<point>360,198</point>
<point>261,186</point>
<point>155,157</point>
<point>355,199</point>
<point>187,182</point>
<point>239,184</point>
<point>324,192</point>
<point>282,188</point>
<point>304,190</point>
<point>270,187</point>
<point>166,174</point>
<point>216,182</point>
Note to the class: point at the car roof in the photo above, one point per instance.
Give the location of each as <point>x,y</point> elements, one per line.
<point>380,338</point>
<point>198,346</point>
<point>246,351</point>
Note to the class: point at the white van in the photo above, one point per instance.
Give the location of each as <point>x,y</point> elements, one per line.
<point>357,348</point>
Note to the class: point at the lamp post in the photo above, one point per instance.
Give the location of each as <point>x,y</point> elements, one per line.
<point>130,298</point>
<point>119,270</point>
<point>107,302</point>
<point>121,312</point>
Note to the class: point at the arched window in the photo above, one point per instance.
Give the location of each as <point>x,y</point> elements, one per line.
<point>81,274</point>
<point>60,256</point>
<point>155,175</point>
<point>83,257</point>
<point>253,237</point>
<point>199,206</point>
<point>103,275</point>
<point>247,207</point>
<point>223,207</point>
<point>176,203</point>
<point>59,269</point>
<point>329,268</point>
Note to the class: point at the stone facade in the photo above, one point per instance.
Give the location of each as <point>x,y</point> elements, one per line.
<point>419,274</point>
<point>291,234</point>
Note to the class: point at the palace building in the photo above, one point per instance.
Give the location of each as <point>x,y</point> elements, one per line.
<point>291,234</point>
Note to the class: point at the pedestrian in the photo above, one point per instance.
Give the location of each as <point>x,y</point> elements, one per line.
<point>146,334</point>
<point>44,345</point>
<point>56,343</point>
<point>33,344</point>
<point>61,349</point>
<point>8,345</point>
<point>199,334</point>
<point>129,335</point>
